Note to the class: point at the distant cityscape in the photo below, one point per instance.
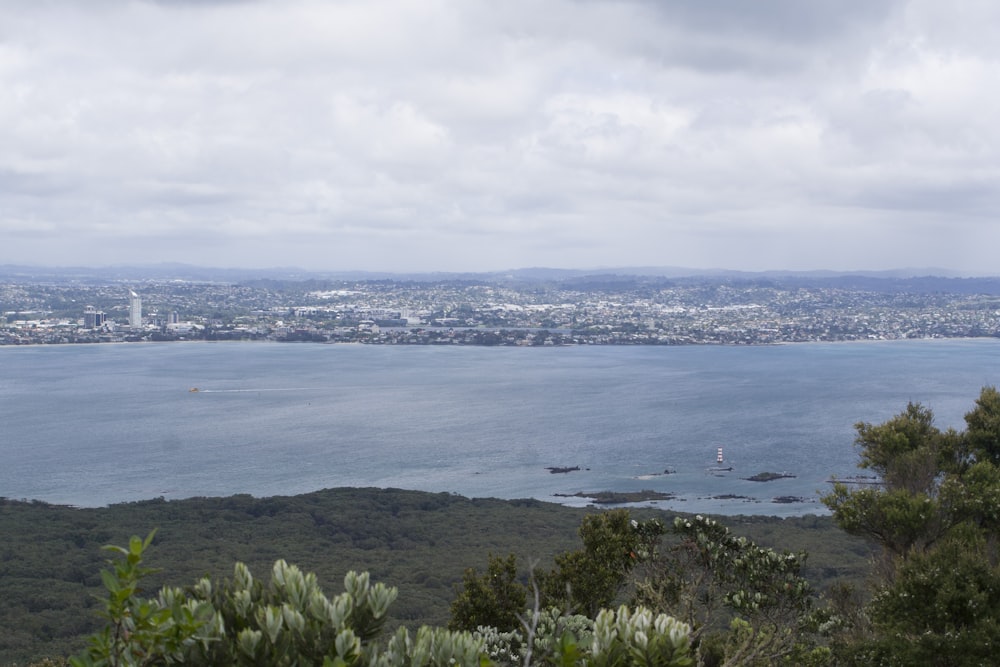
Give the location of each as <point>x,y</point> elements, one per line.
<point>497,310</point>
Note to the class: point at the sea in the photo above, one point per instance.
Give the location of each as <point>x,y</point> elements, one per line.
<point>93,425</point>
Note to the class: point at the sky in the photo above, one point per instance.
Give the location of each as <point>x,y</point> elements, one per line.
<point>477,135</point>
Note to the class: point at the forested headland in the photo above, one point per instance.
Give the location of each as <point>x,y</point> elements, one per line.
<point>422,543</point>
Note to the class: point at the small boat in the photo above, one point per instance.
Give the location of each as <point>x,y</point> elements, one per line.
<point>194,390</point>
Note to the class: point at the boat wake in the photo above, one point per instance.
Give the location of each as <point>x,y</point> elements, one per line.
<point>198,390</point>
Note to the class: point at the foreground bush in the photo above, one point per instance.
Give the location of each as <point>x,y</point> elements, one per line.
<point>290,621</point>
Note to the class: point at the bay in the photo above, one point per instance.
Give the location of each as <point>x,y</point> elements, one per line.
<point>101,424</point>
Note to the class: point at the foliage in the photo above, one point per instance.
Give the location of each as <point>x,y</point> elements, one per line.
<point>590,579</point>
<point>494,599</point>
<point>617,638</point>
<point>431,647</point>
<point>982,431</point>
<point>904,450</point>
<point>291,622</point>
<point>898,520</point>
<point>288,622</point>
<point>711,577</point>
<point>935,516</point>
<point>943,607</point>
<point>584,580</point>
<point>140,631</point>
<point>542,633</point>
<point>50,556</point>
<point>639,638</point>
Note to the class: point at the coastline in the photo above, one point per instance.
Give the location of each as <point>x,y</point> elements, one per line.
<point>472,343</point>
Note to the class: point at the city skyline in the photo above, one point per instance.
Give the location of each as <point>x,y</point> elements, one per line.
<point>460,137</point>
<point>638,310</point>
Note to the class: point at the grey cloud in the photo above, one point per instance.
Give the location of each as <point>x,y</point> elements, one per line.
<point>811,23</point>
<point>200,3</point>
<point>964,198</point>
<point>763,38</point>
<point>16,183</point>
<point>490,135</point>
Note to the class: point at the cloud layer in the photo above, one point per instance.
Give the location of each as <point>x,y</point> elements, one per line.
<point>465,135</point>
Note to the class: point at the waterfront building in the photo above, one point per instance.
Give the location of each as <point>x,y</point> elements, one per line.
<point>93,318</point>
<point>134,310</point>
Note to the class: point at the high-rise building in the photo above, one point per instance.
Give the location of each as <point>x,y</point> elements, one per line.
<point>93,318</point>
<point>134,310</point>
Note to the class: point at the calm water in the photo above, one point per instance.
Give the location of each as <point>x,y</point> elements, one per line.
<point>92,425</point>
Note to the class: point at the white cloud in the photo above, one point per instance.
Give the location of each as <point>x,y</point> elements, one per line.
<point>472,135</point>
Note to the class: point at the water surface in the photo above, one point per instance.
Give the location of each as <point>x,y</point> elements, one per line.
<point>99,424</point>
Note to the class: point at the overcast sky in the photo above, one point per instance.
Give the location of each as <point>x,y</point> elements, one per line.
<point>485,135</point>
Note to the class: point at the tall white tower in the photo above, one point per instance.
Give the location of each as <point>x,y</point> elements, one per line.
<point>134,310</point>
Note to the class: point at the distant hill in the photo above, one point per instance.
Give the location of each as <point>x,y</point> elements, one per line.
<point>922,281</point>
<point>181,271</point>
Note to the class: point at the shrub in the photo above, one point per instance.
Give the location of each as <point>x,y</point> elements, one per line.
<point>289,621</point>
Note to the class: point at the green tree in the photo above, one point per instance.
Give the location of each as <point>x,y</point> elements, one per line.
<point>942,608</point>
<point>899,521</point>
<point>982,431</point>
<point>709,580</point>
<point>905,451</point>
<point>904,512</point>
<point>495,599</point>
<point>583,581</point>
<point>590,579</point>
<point>937,594</point>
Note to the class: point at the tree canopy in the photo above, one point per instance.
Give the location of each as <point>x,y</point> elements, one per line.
<point>935,515</point>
